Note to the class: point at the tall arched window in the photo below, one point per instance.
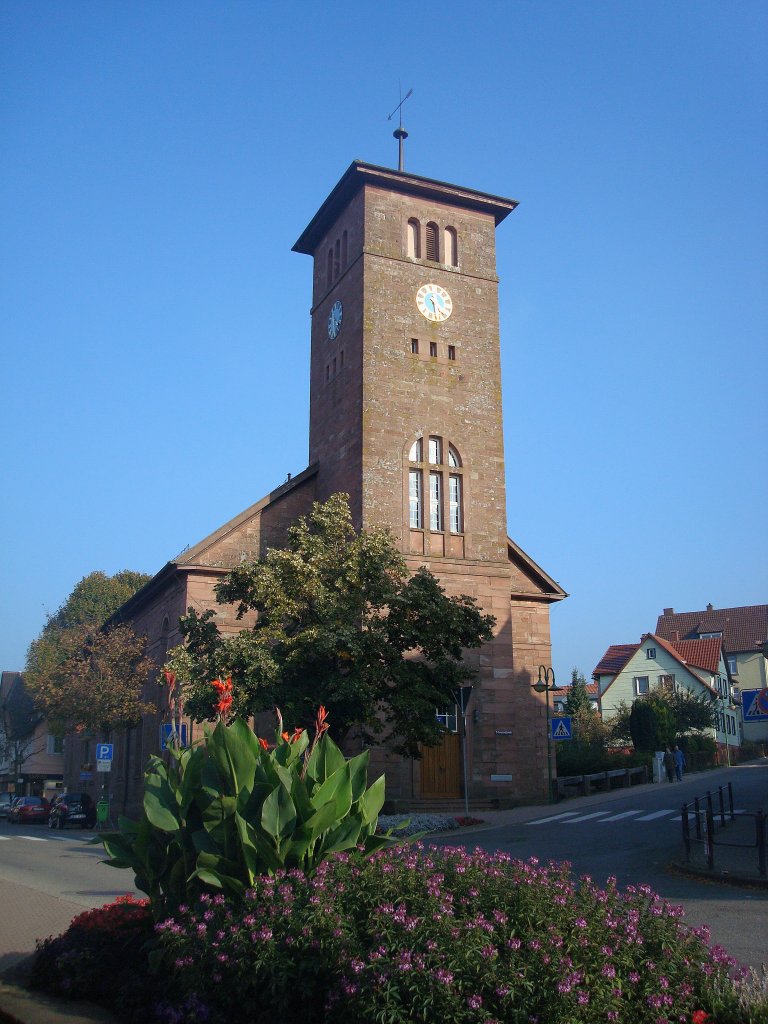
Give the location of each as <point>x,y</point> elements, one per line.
<point>344,250</point>
<point>414,239</point>
<point>451,256</point>
<point>330,267</point>
<point>336,258</point>
<point>442,472</point>
<point>432,242</point>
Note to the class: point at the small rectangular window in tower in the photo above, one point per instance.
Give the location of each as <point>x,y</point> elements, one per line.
<point>454,503</point>
<point>341,359</point>
<point>415,346</point>
<point>452,353</point>
<point>433,349</point>
<point>414,497</point>
<point>327,372</point>
<point>435,501</point>
<point>334,366</point>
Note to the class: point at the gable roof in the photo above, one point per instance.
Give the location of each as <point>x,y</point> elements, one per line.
<point>614,659</point>
<point>703,653</point>
<point>533,581</point>
<point>742,629</point>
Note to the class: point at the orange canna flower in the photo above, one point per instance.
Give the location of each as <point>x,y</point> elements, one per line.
<point>264,744</point>
<point>285,736</point>
<point>222,687</point>
<point>296,734</point>
<point>170,678</point>
<point>321,725</point>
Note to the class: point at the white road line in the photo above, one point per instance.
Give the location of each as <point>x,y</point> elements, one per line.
<point>553,817</point>
<point>33,839</point>
<point>585,817</point>
<point>624,814</point>
<point>658,814</point>
<point>5,837</point>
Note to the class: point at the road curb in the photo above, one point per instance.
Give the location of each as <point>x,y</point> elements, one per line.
<point>733,878</point>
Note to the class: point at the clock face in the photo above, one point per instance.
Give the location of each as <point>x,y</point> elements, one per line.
<point>434,302</point>
<point>334,319</point>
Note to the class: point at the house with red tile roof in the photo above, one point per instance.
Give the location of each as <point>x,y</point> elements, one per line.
<point>627,671</point>
<point>744,634</point>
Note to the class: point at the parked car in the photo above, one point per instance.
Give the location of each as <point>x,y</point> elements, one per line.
<point>6,799</point>
<point>29,809</point>
<point>72,809</point>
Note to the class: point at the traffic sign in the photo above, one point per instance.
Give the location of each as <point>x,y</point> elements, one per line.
<point>104,751</point>
<point>167,732</point>
<point>103,766</point>
<point>754,705</point>
<point>561,728</point>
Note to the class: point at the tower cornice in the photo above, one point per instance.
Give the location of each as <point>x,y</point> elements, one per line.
<point>359,174</point>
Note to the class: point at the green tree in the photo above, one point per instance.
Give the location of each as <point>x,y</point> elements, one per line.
<point>73,664</point>
<point>578,700</point>
<point>339,622</point>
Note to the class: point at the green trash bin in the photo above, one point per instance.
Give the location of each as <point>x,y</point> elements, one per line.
<point>102,811</point>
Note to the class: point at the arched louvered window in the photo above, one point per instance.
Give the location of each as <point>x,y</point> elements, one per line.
<point>432,242</point>
<point>414,239</point>
<point>451,256</point>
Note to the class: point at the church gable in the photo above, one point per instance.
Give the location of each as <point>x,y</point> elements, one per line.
<point>259,527</point>
<point>529,580</point>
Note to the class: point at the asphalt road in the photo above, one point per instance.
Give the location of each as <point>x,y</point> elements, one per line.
<point>630,836</point>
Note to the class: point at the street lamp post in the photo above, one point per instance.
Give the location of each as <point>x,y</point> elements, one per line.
<point>544,684</point>
<point>463,695</point>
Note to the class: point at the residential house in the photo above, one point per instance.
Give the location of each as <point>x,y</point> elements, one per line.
<point>31,758</point>
<point>627,671</point>
<point>744,633</point>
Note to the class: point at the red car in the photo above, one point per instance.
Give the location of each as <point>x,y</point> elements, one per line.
<point>29,809</point>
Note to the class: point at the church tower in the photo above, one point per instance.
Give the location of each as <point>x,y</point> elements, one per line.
<point>405,416</point>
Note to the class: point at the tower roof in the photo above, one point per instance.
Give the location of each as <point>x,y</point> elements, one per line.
<point>359,174</point>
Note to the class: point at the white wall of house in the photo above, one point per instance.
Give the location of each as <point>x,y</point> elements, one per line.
<point>650,667</point>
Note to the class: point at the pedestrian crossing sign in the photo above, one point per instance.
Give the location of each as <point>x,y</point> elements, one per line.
<point>754,705</point>
<point>561,728</point>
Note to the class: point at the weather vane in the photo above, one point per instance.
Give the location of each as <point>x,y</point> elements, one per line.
<point>400,133</point>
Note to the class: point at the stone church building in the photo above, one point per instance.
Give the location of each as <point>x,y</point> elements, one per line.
<point>405,416</point>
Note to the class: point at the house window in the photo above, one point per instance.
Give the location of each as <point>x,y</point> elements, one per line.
<point>415,346</point>
<point>433,349</point>
<point>641,685</point>
<point>452,352</point>
<point>451,253</point>
<point>733,666</point>
<point>707,636</point>
<point>448,719</point>
<point>413,244</point>
<point>650,652</point>
<point>55,744</point>
<point>667,682</point>
<point>432,242</point>
<point>445,482</point>
<point>415,500</point>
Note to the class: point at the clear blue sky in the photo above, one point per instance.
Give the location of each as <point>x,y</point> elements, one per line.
<point>159,160</point>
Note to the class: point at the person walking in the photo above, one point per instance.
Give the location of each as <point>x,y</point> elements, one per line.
<point>669,765</point>
<point>679,763</point>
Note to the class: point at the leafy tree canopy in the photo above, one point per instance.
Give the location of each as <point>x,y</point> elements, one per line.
<point>662,716</point>
<point>71,644</point>
<point>339,622</point>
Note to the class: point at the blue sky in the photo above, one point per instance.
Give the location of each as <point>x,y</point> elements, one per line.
<point>159,160</point>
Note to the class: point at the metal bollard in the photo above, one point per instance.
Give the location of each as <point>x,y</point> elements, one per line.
<point>730,800</point>
<point>686,834</point>
<point>697,809</point>
<point>722,806</point>
<point>709,840</point>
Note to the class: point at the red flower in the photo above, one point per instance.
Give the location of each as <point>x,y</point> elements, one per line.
<point>285,736</point>
<point>700,1017</point>
<point>170,678</point>
<point>321,724</point>
<point>222,688</point>
<point>297,732</point>
<point>264,744</point>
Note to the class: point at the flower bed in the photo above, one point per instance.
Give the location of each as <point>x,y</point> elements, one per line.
<point>415,934</point>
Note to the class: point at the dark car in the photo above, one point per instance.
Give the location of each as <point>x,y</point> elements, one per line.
<point>29,809</point>
<point>72,809</point>
<point>6,799</point>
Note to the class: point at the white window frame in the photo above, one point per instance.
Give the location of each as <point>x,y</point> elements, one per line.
<point>636,684</point>
<point>650,652</point>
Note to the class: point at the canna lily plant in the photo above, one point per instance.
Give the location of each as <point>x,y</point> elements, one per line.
<point>234,807</point>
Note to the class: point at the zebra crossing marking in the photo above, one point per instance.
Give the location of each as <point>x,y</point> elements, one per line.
<point>553,817</point>
<point>585,817</point>
<point>624,814</point>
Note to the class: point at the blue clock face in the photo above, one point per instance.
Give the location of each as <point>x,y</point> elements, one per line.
<point>334,319</point>
<point>434,302</point>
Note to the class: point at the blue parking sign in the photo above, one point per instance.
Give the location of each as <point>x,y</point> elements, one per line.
<point>104,751</point>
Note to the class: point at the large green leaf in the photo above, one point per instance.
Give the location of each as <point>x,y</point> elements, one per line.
<point>372,801</point>
<point>358,773</point>
<point>235,751</point>
<point>278,814</point>
<point>160,804</point>
<point>336,788</point>
<point>344,836</point>
<point>326,759</point>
